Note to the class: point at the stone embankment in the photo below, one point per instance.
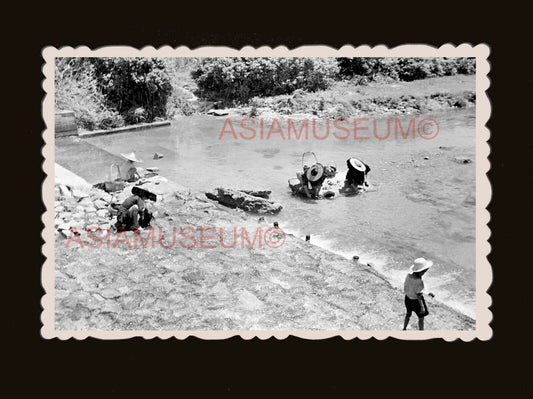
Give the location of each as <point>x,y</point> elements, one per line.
<point>193,282</point>
<point>78,205</point>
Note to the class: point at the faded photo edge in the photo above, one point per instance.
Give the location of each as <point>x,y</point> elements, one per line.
<point>484,275</point>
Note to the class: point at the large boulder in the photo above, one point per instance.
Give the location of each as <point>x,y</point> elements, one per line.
<point>238,199</point>
<point>258,193</point>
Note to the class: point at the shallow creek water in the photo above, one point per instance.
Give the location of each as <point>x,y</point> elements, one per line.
<point>415,207</point>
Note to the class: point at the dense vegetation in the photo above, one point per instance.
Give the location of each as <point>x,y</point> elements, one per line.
<point>138,88</point>
<point>76,89</point>
<point>240,79</point>
<point>111,92</point>
<point>405,69</point>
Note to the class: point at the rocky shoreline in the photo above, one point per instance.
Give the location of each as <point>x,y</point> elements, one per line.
<point>117,283</point>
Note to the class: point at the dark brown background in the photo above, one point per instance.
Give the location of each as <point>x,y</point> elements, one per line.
<point>360,367</point>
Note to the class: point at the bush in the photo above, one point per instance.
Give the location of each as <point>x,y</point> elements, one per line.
<point>237,80</point>
<point>465,66</point>
<point>137,87</point>
<point>360,66</point>
<point>77,90</point>
<point>182,101</point>
<point>406,69</point>
<point>342,110</point>
<point>253,112</point>
<point>110,92</point>
<point>181,106</point>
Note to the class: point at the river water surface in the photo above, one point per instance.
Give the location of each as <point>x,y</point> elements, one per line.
<point>417,207</point>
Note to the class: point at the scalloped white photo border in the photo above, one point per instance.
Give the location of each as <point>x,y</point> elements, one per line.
<point>481,52</point>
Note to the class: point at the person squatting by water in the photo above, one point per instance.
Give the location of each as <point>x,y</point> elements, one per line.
<point>356,175</point>
<point>132,214</point>
<point>413,289</point>
<point>313,177</point>
<point>131,174</point>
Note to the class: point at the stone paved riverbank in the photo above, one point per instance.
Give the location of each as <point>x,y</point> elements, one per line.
<point>298,286</point>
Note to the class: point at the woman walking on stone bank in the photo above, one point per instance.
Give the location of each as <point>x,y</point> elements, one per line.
<point>413,288</point>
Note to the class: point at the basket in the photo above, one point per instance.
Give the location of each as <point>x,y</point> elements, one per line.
<point>116,184</point>
<point>112,186</point>
<point>309,153</point>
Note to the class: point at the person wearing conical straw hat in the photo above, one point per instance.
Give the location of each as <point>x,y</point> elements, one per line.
<point>132,174</point>
<point>413,289</point>
<point>356,175</point>
<point>312,179</point>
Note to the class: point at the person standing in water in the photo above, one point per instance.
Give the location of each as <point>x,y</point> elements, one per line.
<point>413,289</point>
<point>313,178</point>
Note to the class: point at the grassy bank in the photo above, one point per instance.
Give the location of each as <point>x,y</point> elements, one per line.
<point>346,100</point>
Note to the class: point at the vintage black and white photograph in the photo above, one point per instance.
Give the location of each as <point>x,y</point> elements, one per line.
<point>315,193</point>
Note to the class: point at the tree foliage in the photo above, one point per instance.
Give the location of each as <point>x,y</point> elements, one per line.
<point>138,88</point>
<point>237,80</point>
<point>111,92</point>
<point>76,89</point>
<point>406,69</point>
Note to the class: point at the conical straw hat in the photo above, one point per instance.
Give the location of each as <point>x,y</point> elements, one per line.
<point>130,157</point>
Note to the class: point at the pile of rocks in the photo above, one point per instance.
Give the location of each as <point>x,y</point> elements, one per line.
<point>255,202</point>
<point>81,208</point>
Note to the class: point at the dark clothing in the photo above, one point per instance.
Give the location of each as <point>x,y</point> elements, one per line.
<point>356,177</point>
<point>130,201</point>
<point>315,185</point>
<point>413,305</point>
<point>128,214</point>
<point>128,220</point>
<point>145,218</point>
<point>416,305</point>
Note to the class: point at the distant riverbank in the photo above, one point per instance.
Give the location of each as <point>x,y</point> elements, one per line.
<point>343,99</point>
<point>347,100</point>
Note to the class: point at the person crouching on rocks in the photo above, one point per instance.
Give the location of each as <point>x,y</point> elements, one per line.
<point>413,289</point>
<point>356,175</point>
<point>129,212</point>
